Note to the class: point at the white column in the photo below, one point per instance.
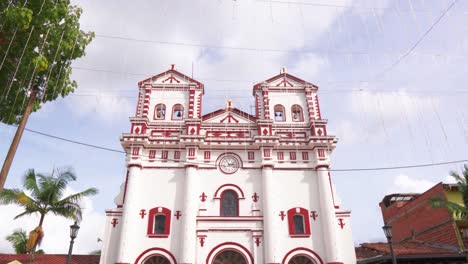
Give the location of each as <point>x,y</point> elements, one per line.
<point>327,208</point>
<point>130,212</point>
<point>270,217</point>
<point>189,217</point>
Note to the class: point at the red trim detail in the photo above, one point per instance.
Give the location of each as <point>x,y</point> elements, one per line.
<point>152,213</point>
<point>305,217</point>
<point>341,223</point>
<point>292,155</point>
<point>233,110</point>
<point>251,155</point>
<point>156,249</point>
<point>282,215</point>
<point>142,213</point>
<point>239,191</point>
<point>171,71</point>
<point>207,155</point>
<point>255,197</point>
<point>304,249</point>
<point>176,155</point>
<point>314,215</point>
<point>203,197</point>
<point>305,155</point>
<point>114,222</point>
<point>283,75</point>
<point>257,241</point>
<point>178,214</point>
<point>134,165</point>
<point>233,248</point>
<point>280,155</point>
<point>322,166</point>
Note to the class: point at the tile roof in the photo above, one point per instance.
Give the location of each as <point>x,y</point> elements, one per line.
<point>367,250</point>
<point>49,259</point>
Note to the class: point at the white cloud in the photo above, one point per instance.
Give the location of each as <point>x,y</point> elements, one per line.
<point>56,229</point>
<point>406,184</point>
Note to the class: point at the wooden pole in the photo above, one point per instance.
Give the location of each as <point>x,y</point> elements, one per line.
<point>17,138</point>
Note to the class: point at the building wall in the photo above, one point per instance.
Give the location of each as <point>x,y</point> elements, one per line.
<point>288,172</point>
<point>417,219</point>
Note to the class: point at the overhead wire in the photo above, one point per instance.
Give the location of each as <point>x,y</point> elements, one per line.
<point>205,163</point>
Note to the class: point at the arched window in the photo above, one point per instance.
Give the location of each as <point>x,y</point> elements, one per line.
<point>177,112</point>
<point>279,113</point>
<point>157,259</point>
<point>159,222</point>
<point>297,114</point>
<point>230,256</point>
<point>301,260</point>
<point>160,111</point>
<point>229,203</point>
<point>299,223</point>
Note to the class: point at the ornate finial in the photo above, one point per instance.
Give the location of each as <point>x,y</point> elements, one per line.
<point>229,104</point>
<point>172,66</point>
<point>284,70</point>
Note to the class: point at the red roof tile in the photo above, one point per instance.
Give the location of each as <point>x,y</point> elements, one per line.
<point>49,259</point>
<point>406,248</point>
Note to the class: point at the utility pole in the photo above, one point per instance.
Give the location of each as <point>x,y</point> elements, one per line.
<point>17,138</point>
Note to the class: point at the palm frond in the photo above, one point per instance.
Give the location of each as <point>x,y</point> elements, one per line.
<point>18,240</point>
<point>30,182</point>
<point>63,178</point>
<point>15,196</point>
<point>458,211</point>
<point>75,198</point>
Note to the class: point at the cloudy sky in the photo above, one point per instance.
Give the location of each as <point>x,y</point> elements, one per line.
<point>390,102</point>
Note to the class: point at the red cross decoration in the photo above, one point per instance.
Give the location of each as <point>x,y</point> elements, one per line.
<point>229,118</point>
<point>114,222</point>
<point>314,215</point>
<point>341,223</point>
<point>142,213</point>
<point>257,241</point>
<point>255,197</point>
<point>203,197</point>
<point>202,241</point>
<point>171,79</point>
<point>178,214</point>
<point>282,215</point>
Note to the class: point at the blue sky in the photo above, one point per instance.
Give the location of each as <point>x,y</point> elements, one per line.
<point>415,112</point>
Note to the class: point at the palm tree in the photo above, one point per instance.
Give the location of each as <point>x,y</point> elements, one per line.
<point>46,196</point>
<point>18,240</point>
<point>457,210</point>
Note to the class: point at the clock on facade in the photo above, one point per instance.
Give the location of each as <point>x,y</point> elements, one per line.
<point>229,164</point>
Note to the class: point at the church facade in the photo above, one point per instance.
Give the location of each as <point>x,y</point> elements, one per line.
<point>227,186</point>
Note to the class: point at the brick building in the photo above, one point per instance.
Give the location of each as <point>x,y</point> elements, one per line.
<point>412,217</point>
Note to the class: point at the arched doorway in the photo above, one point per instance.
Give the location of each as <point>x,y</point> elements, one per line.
<point>157,259</point>
<point>229,257</point>
<point>301,260</point>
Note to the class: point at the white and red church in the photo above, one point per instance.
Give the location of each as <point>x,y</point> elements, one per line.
<point>227,186</point>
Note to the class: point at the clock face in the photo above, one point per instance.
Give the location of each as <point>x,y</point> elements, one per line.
<point>229,164</point>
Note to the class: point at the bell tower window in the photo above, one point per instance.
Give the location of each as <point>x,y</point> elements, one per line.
<point>160,111</point>
<point>298,222</point>
<point>229,203</point>
<point>279,113</point>
<point>177,112</point>
<point>297,114</point>
<point>159,222</point>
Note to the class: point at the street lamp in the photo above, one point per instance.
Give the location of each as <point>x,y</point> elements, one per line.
<point>73,233</point>
<point>388,233</point>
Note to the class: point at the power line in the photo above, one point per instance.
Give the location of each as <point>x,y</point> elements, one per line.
<point>204,163</point>
<point>407,53</point>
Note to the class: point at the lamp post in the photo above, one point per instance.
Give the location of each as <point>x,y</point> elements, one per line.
<point>388,233</point>
<point>73,233</point>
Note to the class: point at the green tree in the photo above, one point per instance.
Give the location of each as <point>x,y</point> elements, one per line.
<point>38,41</point>
<point>459,211</point>
<point>46,195</point>
<point>18,240</point>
